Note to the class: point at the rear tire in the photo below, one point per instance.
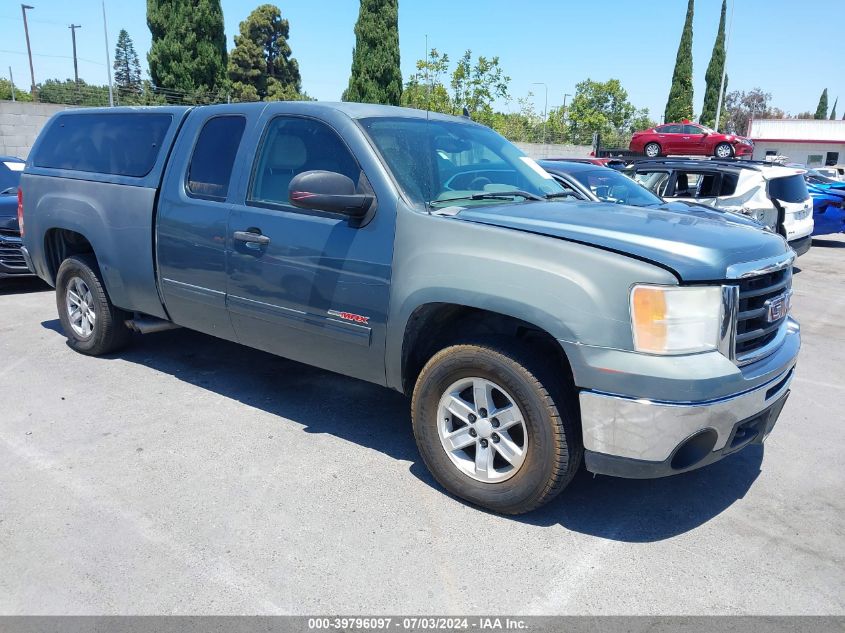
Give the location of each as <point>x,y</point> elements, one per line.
<point>478,464</point>
<point>91,323</point>
<point>723,150</point>
<point>652,150</point>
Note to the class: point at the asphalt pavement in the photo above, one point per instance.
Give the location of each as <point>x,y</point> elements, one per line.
<point>189,475</point>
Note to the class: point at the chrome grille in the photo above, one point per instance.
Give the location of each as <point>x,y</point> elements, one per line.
<point>757,326</point>
<point>11,256</point>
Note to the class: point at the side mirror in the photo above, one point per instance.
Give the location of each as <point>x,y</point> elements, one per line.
<point>328,191</point>
<point>602,192</point>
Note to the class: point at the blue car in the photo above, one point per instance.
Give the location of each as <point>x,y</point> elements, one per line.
<point>828,203</point>
<point>12,263</point>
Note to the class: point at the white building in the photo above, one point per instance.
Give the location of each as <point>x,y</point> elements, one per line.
<point>808,141</point>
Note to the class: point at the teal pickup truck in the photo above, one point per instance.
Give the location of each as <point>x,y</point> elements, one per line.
<point>427,254</point>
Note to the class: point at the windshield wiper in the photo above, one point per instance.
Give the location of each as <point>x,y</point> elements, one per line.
<point>560,194</point>
<point>491,195</point>
<point>8,191</point>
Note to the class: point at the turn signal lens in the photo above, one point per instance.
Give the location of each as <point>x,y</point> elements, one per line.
<point>675,320</point>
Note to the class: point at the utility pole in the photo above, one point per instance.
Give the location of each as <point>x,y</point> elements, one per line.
<point>24,7</point>
<point>108,57</point>
<point>724,70</point>
<point>545,107</point>
<point>12,83</point>
<point>564,104</point>
<point>73,28</point>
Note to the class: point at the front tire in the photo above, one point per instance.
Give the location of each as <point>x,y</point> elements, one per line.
<point>723,150</point>
<point>91,323</point>
<point>494,427</point>
<point>652,150</point>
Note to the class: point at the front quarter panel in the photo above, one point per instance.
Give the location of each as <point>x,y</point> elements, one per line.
<point>575,292</point>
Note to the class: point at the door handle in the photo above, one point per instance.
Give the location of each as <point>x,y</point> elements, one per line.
<point>251,237</point>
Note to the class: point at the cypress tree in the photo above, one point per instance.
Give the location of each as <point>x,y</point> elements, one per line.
<point>260,65</point>
<point>679,104</point>
<point>376,76</point>
<point>821,109</point>
<point>833,112</point>
<point>187,57</point>
<point>127,68</point>
<point>714,75</point>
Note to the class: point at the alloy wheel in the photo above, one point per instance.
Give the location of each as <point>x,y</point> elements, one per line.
<point>482,430</point>
<point>80,307</point>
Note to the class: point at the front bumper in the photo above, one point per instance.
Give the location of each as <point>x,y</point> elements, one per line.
<point>642,437</point>
<point>741,149</point>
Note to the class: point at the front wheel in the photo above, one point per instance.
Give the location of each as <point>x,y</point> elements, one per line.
<point>652,150</point>
<point>489,429</point>
<point>91,323</point>
<point>724,150</point>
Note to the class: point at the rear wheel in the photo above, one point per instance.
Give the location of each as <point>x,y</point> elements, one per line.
<point>489,428</point>
<point>723,150</point>
<point>652,150</point>
<point>91,323</point>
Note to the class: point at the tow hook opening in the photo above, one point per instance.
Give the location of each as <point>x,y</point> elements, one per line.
<point>694,449</point>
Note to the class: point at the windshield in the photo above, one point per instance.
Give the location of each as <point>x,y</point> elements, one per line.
<point>789,189</point>
<point>609,185</point>
<point>438,162</point>
<point>10,176</point>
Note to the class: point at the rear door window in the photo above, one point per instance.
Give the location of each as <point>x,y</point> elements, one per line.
<point>789,189</point>
<point>214,155</point>
<point>121,144</point>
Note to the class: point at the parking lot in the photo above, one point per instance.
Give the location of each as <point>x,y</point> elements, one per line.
<point>191,475</point>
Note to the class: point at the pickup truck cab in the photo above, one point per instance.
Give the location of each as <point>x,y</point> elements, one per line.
<point>427,254</point>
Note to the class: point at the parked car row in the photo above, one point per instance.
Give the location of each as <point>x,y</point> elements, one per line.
<point>769,196</point>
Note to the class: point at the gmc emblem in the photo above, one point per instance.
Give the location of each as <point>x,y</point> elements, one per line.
<point>777,307</point>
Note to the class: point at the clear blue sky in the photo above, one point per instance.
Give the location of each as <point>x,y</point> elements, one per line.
<point>779,45</point>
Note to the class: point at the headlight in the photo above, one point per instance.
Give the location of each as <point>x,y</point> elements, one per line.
<point>675,320</point>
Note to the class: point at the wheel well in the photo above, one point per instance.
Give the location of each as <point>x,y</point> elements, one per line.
<point>437,325</point>
<point>59,244</point>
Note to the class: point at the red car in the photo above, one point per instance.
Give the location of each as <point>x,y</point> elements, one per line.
<point>689,139</point>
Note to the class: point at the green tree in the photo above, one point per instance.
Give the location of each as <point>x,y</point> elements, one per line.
<point>187,57</point>
<point>127,68</point>
<point>603,107</point>
<point>260,65</point>
<point>69,92</point>
<point>713,76</point>
<point>741,107</point>
<point>376,76</point>
<point>679,104</point>
<point>833,112</point>
<point>821,109</point>
<point>475,86</point>
<point>425,89</point>
<point>6,92</point>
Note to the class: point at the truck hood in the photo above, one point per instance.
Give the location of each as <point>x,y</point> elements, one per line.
<point>8,213</point>
<point>696,244</point>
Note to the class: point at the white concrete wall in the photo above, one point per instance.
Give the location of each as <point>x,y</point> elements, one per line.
<point>799,152</point>
<point>20,124</point>
<point>539,150</point>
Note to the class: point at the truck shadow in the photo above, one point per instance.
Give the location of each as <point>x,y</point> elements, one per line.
<point>13,286</point>
<point>379,419</point>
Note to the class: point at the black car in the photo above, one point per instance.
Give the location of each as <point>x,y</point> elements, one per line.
<point>12,263</point>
